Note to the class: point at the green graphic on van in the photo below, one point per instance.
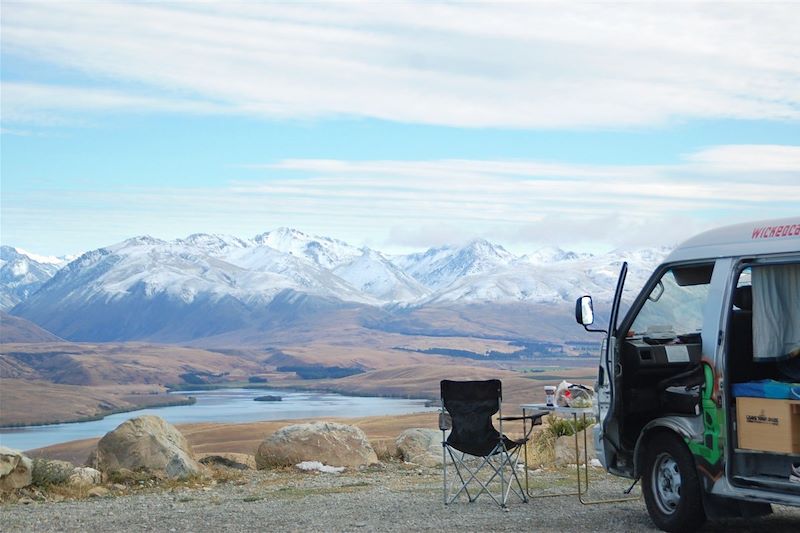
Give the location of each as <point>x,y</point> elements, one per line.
<point>709,449</point>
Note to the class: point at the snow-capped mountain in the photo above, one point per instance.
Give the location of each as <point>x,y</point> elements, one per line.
<point>321,251</point>
<point>373,274</point>
<point>438,268</point>
<point>186,268</point>
<point>214,245</point>
<point>207,284</point>
<point>145,287</point>
<point>564,278</point>
<point>552,254</point>
<point>22,273</point>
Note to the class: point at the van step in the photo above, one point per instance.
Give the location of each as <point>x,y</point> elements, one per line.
<point>771,482</point>
<point>765,452</point>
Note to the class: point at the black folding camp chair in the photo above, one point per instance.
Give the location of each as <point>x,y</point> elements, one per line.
<point>484,459</point>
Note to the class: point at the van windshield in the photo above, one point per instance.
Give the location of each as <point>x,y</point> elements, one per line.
<point>675,305</point>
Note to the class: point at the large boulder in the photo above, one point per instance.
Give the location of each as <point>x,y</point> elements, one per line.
<point>329,443</point>
<point>565,448</point>
<point>420,446</point>
<point>145,443</point>
<point>16,469</point>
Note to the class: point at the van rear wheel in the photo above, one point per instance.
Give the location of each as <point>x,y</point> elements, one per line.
<point>671,486</point>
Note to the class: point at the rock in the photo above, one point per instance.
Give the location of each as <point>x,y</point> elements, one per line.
<point>9,459</point>
<point>268,398</point>
<point>146,443</point>
<point>84,476</point>
<point>16,469</point>
<point>329,443</point>
<point>421,446</point>
<point>237,461</point>
<point>98,492</point>
<point>565,448</point>
<point>51,472</point>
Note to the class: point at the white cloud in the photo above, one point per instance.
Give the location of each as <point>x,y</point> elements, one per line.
<point>513,65</point>
<point>747,159</point>
<point>32,102</point>
<point>403,204</point>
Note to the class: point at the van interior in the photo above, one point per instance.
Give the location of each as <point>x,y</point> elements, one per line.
<point>763,350</point>
<point>661,351</point>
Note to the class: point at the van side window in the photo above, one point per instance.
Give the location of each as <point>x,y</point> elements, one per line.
<point>675,304</point>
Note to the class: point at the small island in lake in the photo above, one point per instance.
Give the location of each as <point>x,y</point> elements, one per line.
<point>268,398</point>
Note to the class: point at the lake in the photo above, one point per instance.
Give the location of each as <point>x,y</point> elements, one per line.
<point>222,405</point>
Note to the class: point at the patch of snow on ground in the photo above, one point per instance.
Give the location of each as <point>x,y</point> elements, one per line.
<point>309,466</point>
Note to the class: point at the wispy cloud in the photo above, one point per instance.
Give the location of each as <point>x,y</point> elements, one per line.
<point>38,103</point>
<point>510,65</point>
<point>422,203</point>
<point>778,161</point>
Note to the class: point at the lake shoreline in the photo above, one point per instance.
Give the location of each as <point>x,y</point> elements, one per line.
<point>189,400</point>
<point>217,407</point>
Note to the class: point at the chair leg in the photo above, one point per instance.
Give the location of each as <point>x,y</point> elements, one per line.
<point>458,466</point>
<point>508,459</point>
<point>514,464</point>
<point>444,468</point>
<point>465,475</point>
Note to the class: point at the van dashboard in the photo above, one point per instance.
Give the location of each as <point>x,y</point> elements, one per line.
<point>641,353</point>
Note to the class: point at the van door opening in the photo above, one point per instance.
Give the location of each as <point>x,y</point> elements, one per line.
<point>660,349</point>
<point>762,369</point>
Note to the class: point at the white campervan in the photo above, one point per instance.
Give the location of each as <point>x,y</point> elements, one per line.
<point>698,390</point>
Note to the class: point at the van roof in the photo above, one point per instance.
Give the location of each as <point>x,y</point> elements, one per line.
<point>751,238</point>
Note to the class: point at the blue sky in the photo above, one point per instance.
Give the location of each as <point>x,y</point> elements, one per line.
<point>399,126</point>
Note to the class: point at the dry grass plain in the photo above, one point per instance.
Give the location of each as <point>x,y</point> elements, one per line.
<point>422,381</point>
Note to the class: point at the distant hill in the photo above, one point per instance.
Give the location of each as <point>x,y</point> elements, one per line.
<point>18,330</point>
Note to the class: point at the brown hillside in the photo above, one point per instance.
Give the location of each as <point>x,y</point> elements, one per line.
<point>124,364</point>
<point>25,401</point>
<point>16,329</point>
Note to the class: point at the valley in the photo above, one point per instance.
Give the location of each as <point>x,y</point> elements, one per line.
<point>116,328</point>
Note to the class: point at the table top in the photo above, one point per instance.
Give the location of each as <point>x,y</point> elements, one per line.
<point>557,408</point>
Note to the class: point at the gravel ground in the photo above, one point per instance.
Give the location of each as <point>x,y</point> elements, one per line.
<point>396,497</point>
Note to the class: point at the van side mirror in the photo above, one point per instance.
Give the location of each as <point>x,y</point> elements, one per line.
<point>584,312</point>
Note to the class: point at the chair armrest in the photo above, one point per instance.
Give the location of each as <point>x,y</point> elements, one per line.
<point>536,417</point>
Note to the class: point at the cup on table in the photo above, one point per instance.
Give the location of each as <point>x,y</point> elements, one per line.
<point>549,395</point>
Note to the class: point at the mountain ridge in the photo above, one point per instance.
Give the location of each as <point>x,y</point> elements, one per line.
<point>207,284</point>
